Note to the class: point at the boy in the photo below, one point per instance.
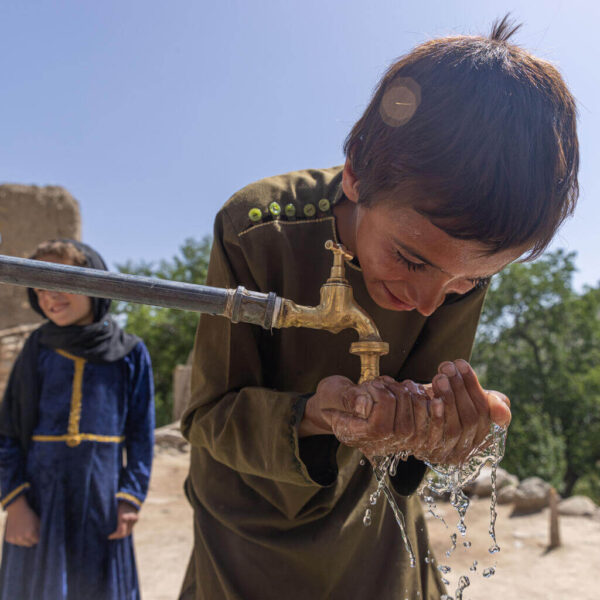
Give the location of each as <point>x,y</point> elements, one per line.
<point>79,393</point>
<point>465,159</point>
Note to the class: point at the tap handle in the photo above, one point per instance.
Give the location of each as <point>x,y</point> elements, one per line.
<point>339,255</point>
<point>339,249</point>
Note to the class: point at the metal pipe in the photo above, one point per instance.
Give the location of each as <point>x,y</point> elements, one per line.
<point>239,305</point>
<point>337,310</point>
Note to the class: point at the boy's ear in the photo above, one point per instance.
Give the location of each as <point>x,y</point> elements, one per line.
<point>349,182</point>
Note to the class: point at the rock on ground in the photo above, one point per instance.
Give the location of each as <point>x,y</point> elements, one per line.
<point>532,495</point>
<point>482,486</point>
<point>578,506</point>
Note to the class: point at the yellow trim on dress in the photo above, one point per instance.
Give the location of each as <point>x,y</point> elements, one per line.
<point>14,493</point>
<point>76,396</point>
<point>126,496</point>
<point>74,437</point>
<point>68,354</point>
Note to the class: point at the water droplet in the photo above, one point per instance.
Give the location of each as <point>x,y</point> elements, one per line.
<point>453,547</point>
<point>489,572</point>
<point>373,498</point>
<point>473,567</point>
<point>493,549</point>
<point>463,583</point>
<point>444,569</point>
<point>362,462</point>
<point>467,544</point>
<point>367,518</point>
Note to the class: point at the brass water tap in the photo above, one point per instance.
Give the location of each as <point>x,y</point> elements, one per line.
<point>337,311</point>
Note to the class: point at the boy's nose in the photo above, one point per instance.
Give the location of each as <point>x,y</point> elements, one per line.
<point>429,297</point>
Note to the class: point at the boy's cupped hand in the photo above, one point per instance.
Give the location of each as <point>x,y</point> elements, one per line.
<point>442,422</point>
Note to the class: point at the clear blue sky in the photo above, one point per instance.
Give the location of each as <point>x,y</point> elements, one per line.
<point>153,113</point>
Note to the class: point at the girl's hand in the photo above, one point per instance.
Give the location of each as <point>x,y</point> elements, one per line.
<point>22,524</point>
<point>127,517</point>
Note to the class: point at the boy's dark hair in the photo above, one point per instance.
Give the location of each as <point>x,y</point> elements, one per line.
<point>62,250</point>
<point>481,134</point>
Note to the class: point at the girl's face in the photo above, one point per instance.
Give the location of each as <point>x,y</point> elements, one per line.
<point>65,309</point>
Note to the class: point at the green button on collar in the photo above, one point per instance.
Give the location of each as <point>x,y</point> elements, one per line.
<point>290,211</point>
<point>324,205</point>
<point>309,210</point>
<point>255,215</point>
<point>274,209</point>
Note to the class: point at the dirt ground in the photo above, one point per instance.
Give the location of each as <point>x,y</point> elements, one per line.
<point>524,569</point>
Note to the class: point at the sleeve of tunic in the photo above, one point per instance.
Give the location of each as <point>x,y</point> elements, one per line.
<point>13,481</point>
<point>12,470</point>
<point>139,430</point>
<point>241,423</point>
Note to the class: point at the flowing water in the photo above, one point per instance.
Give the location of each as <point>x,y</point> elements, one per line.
<point>445,480</point>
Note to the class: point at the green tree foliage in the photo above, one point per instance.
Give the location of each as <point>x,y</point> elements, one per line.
<point>168,333</point>
<point>539,342</point>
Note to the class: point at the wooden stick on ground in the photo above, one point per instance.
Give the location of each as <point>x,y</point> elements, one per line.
<point>554,527</point>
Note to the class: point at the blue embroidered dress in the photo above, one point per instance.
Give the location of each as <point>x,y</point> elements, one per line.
<point>91,448</point>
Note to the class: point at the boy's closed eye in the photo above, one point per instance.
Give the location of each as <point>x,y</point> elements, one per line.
<point>411,265</point>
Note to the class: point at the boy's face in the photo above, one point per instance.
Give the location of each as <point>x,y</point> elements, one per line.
<point>62,308</point>
<point>410,264</point>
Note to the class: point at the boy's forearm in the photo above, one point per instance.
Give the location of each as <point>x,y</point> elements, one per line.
<point>253,431</point>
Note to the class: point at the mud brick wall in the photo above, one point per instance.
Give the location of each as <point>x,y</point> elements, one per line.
<point>30,215</point>
<point>11,342</point>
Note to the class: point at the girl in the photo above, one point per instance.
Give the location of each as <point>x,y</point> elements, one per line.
<point>80,393</point>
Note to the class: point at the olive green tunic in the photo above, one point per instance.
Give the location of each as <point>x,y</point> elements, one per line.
<point>275,516</point>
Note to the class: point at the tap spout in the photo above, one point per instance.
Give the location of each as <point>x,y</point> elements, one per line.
<point>336,311</point>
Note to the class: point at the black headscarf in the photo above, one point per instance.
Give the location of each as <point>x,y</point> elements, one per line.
<point>102,341</point>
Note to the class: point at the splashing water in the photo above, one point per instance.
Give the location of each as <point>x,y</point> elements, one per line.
<point>451,479</point>
<point>381,470</point>
<point>493,514</point>
<point>463,583</point>
<point>447,479</point>
<point>453,547</point>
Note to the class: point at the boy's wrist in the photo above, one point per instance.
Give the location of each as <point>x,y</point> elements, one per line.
<point>312,421</point>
